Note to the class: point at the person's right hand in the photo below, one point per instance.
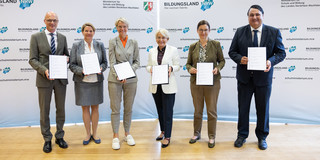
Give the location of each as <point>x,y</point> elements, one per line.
<point>47,75</point>
<point>193,71</point>
<point>244,60</point>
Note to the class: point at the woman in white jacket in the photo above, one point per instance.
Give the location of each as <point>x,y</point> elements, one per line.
<point>164,94</point>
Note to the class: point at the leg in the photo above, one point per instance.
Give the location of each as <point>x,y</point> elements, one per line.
<point>245,92</point>
<point>115,92</point>
<point>129,92</point>
<point>86,121</point>
<point>211,94</point>
<point>94,120</point>
<point>262,97</point>
<point>158,101</point>
<point>198,103</point>
<point>60,96</point>
<point>168,103</point>
<point>45,94</point>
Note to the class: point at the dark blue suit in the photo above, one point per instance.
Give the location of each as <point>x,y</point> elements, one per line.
<point>255,82</point>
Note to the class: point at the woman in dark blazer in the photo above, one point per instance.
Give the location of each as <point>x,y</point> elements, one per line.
<point>122,49</point>
<point>164,95</point>
<point>88,88</point>
<point>205,51</point>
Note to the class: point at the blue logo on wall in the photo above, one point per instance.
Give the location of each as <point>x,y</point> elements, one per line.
<point>79,30</point>
<point>42,28</point>
<point>220,29</point>
<point>6,70</point>
<point>206,4</point>
<point>149,30</point>
<point>3,29</point>
<point>148,48</point>
<point>185,30</point>
<point>292,49</point>
<point>185,48</point>
<point>184,67</point>
<point>293,29</point>
<point>5,50</point>
<point>25,3</point>
<point>114,30</point>
<point>222,47</point>
<point>291,68</point>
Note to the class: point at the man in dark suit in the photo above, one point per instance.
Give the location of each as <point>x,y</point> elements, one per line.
<point>250,82</point>
<point>43,44</point>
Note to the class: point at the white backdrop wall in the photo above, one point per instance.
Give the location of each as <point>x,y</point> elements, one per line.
<point>294,99</point>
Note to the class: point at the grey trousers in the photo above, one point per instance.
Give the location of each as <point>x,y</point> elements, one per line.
<point>209,94</point>
<point>45,94</point>
<point>115,93</point>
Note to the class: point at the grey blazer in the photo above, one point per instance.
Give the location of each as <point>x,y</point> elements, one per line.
<point>119,54</point>
<point>39,56</point>
<point>75,59</point>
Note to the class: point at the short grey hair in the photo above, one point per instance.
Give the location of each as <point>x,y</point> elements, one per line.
<point>123,20</point>
<point>163,32</point>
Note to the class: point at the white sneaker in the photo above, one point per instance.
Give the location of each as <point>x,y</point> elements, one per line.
<point>115,144</point>
<point>130,141</point>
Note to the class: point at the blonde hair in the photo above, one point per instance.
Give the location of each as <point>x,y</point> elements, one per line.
<point>163,32</point>
<point>123,20</point>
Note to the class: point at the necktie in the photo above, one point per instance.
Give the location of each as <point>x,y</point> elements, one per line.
<point>255,38</point>
<point>53,45</point>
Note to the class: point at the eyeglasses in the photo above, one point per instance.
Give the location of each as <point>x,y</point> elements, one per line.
<point>257,15</point>
<point>52,20</point>
<point>203,30</point>
<point>163,38</point>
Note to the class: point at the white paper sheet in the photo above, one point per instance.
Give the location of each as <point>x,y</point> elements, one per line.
<point>58,67</point>
<point>257,58</point>
<point>90,63</point>
<point>124,70</point>
<point>204,74</point>
<point>160,74</point>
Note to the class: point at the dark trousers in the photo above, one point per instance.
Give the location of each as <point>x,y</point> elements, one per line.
<point>164,103</point>
<point>262,97</point>
<point>45,94</point>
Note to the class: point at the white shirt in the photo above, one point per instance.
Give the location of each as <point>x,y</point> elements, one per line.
<point>92,77</point>
<point>49,38</point>
<point>258,34</point>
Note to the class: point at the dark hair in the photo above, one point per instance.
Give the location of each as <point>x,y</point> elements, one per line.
<point>88,25</point>
<point>203,22</point>
<point>256,7</point>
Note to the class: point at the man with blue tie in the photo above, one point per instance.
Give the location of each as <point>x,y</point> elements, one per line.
<point>43,44</point>
<point>259,83</point>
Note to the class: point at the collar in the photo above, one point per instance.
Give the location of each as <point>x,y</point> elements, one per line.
<point>163,49</point>
<point>259,29</point>
<point>48,33</point>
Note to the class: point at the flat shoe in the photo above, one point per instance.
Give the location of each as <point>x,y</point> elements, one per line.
<point>211,145</point>
<point>86,142</point>
<point>166,145</point>
<point>194,140</point>
<point>97,141</point>
<point>159,138</point>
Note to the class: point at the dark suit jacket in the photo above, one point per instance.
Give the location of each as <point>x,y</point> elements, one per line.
<point>214,54</point>
<point>271,39</point>
<point>76,63</point>
<point>39,56</point>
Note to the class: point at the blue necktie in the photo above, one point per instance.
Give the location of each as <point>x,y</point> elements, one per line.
<point>255,38</point>
<point>53,45</point>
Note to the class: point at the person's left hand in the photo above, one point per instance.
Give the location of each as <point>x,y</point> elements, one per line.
<point>100,71</point>
<point>268,66</point>
<point>215,71</point>
<point>170,68</point>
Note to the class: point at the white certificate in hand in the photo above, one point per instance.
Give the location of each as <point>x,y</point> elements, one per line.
<point>257,58</point>
<point>204,74</point>
<point>58,67</point>
<point>124,70</point>
<point>90,63</point>
<point>160,74</point>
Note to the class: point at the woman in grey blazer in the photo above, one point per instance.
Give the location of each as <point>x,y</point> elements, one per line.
<point>205,51</point>
<point>164,94</point>
<point>88,88</point>
<point>122,49</point>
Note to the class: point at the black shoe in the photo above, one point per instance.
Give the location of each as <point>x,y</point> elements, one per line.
<point>61,143</point>
<point>47,147</point>
<point>239,142</point>
<point>211,145</point>
<point>159,138</point>
<point>262,144</point>
<point>194,140</point>
<point>166,145</point>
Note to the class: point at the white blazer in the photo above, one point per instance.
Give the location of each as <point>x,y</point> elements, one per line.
<point>171,57</point>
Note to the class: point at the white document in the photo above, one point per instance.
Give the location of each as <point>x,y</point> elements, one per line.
<point>257,58</point>
<point>58,67</point>
<point>160,74</point>
<point>90,63</point>
<point>204,74</point>
<point>124,70</point>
